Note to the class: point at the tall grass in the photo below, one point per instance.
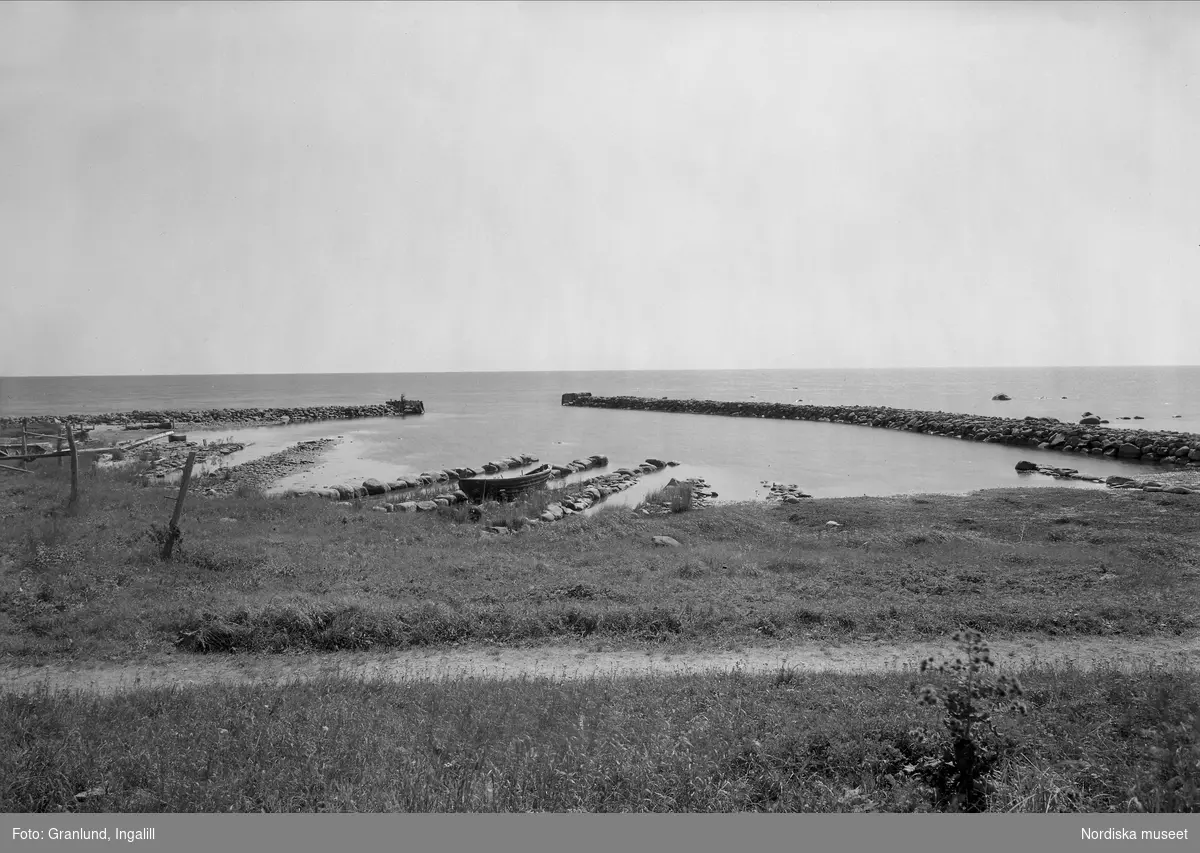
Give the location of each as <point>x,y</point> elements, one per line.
<point>677,497</point>
<point>1102,741</point>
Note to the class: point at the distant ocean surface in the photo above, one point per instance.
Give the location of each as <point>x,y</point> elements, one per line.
<point>474,417</point>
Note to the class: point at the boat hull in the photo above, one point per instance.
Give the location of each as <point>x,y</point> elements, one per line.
<point>503,488</point>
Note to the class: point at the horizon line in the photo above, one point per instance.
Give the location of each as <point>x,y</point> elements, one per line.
<point>607,370</point>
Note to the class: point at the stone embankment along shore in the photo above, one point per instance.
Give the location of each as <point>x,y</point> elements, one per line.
<point>1172,448</point>
<point>572,499</point>
<point>166,419</point>
<point>374,487</point>
<point>1113,482</point>
<point>583,496</point>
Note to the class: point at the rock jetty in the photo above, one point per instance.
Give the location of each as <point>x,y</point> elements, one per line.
<point>1113,482</point>
<point>578,497</point>
<point>167,419</point>
<point>260,473</point>
<point>788,493</point>
<point>373,487</point>
<point>1157,446</point>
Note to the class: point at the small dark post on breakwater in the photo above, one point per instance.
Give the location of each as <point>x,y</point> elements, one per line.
<point>74,466</point>
<point>173,532</point>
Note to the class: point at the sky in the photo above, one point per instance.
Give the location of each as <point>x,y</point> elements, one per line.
<point>252,187</point>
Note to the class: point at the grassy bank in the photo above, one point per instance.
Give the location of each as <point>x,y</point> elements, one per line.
<point>1091,742</point>
<point>257,574</point>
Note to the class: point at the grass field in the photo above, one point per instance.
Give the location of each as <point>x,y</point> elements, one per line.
<point>258,575</point>
<point>1092,742</point>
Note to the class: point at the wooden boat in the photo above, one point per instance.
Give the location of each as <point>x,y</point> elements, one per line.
<point>503,488</point>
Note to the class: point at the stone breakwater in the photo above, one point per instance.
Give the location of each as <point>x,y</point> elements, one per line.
<point>167,419</point>
<point>1113,482</point>
<point>1156,446</point>
<point>260,473</point>
<point>581,496</point>
<point>578,497</point>
<point>373,487</point>
<point>173,457</point>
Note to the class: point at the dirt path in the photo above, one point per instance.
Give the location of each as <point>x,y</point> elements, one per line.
<point>560,662</point>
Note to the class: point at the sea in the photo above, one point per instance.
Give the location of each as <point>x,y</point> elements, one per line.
<point>471,418</point>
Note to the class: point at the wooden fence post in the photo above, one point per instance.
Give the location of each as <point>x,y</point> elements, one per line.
<point>173,532</point>
<point>58,449</point>
<point>74,466</point>
<point>24,443</point>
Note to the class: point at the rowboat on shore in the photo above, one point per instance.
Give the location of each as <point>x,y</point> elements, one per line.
<point>503,488</point>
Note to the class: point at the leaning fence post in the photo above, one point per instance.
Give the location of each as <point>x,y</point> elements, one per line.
<point>24,442</point>
<point>173,532</point>
<point>58,449</point>
<point>74,466</point>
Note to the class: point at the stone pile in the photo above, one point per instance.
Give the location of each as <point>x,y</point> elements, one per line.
<point>560,471</point>
<point>1113,482</point>
<point>1157,446</point>
<point>373,487</point>
<point>788,493</point>
<point>166,460</point>
<point>260,473</point>
<point>1149,486</point>
<point>445,499</point>
<point>582,496</point>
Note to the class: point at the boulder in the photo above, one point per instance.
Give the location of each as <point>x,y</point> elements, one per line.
<point>1129,451</point>
<point>374,487</point>
<point>1001,397</point>
<point>1089,419</point>
<point>1024,465</point>
<point>665,541</point>
<point>426,506</point>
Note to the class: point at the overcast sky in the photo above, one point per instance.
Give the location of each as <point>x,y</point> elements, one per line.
<point>248,187</point>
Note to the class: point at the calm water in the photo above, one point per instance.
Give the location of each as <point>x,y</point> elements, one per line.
<point>474,417</point>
